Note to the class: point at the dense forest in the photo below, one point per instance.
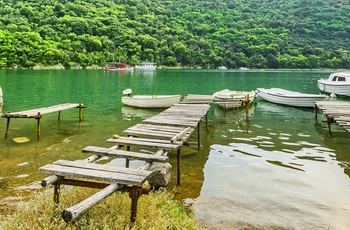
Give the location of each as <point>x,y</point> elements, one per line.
<point>182,33</point>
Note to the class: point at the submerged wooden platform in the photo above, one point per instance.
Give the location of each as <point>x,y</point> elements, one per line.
<point>37,114</point>
<point>335,112</point>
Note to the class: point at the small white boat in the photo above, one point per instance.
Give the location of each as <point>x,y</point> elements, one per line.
<point>146,66</point>
<point>222,67</point>
<point>233,99</point>
<point>149,101</point>
<point>337,83</point>
<point>291,98</point>
<point>243,68</point>
<point>117,66</point>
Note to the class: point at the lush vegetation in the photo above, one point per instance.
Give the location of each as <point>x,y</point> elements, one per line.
<point>187,33</point>
<point>155,211</point>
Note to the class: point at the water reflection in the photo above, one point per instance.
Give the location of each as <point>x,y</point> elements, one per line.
<point>280,174</point>
<point>130,113</point>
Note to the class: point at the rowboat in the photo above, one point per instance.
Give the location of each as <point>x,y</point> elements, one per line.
<point>146,66</point>
<point>233,99</point>
<point>149,101</point>
<point>291,98</point>
<point>337,83</point>
<point>117,66</point>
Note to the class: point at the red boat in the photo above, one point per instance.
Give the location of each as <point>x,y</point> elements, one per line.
<point>117,66</point>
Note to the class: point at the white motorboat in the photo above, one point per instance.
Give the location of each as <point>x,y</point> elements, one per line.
<point>337,83</point>
<point>233,99</point>
<point>146,66</point>
<point>149,101</point>
<point>222,67</point>
<point>291,98</point>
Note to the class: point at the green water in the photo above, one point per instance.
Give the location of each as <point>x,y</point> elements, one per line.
<point>281,168</point>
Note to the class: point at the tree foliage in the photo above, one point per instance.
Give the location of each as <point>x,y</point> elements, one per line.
<point>191,33</point>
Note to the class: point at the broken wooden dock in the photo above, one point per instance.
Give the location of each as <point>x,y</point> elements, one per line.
<point>165,132</point>
<point>37,114</point>
<point>335,112</point>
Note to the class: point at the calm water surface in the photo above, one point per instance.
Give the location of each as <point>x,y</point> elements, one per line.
<point>279,169</point>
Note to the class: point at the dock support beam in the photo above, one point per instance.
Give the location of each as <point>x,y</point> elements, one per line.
<point>37,117</point>
<point>246,103</point>
<point>7,127</point>
<point>178,167</point>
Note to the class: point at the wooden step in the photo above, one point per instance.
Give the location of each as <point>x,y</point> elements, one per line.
<point>125,154</point>
<point>126,176</point>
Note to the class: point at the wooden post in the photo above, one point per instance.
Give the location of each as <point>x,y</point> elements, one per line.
<point>246,103</point>
<point>59,116</point>
<point>206,121</point>
<point>80,112</point>
<point>56,196</point>
<point>7,126</point>
<point>38,125</point>
<point>329,120</point>
<point>199,134</point>
<point>179,167</point>
<point>315,111</point>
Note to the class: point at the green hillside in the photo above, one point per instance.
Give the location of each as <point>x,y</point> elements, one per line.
<point>191,33</point>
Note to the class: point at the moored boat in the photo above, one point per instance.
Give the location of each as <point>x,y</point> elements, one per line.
<point>233,99</point>
<point>222,67</point>
<point>146,66</point>
<point>337,83</point>
<point>291,98</point>
<point>117,66</point>
<point>149,101</point>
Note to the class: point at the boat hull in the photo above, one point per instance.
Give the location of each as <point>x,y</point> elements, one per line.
<point>290,98</point>
<point>131,68</point>
<point>338,89</point>
<point>151,101</point>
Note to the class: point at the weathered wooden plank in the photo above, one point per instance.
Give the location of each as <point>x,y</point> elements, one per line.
<point>154,143</point>
<point>150,133</point>
<point>173,117</point>
<point>45,110</point>
<point>171,122</point>
<point>90,173</point>
<point>125,154</point>
<point>158,127</point>
<point>180,135</point>
<point>75,211</point>
<point>104,167</point>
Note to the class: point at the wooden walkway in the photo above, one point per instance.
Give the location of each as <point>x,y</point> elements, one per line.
<point>335,112</point>
<point>166,131</point>
<point>37,114</point>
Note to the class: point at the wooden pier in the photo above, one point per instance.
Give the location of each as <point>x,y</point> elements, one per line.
<point>165,132</point>
<point>335,112</point>
<point>37,114</point>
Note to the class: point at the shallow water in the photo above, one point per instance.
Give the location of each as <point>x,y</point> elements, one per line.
<point>280,169</point>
